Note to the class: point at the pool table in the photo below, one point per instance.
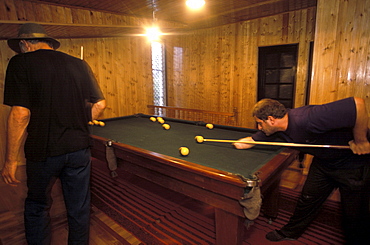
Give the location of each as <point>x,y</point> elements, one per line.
<point>214,173</point>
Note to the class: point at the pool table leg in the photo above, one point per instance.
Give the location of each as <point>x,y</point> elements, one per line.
<point>229,228</point>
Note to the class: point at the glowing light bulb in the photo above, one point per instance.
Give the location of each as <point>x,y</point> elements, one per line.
<point>153,33</point>
<point>195,4</point>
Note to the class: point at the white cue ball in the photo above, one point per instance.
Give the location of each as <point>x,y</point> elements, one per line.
<point>209,126</point>
<point>184,151</point>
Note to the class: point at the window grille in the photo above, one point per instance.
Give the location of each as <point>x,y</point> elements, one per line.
<point>158,71</point>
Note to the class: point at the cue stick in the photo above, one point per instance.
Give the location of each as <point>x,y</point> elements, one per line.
<point>276,143</point>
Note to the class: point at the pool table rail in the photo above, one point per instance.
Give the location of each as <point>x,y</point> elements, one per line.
<point>215,187</point>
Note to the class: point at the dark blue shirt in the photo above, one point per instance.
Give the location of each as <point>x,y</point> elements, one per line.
<point>328,124</point>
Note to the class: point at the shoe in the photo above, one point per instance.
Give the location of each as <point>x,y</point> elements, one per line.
<point>277,236</point>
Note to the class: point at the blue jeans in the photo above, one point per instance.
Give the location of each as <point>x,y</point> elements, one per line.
<point>73,170</point>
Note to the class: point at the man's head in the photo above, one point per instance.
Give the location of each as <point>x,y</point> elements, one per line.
<point>270,116</point>
<point>32,34</point>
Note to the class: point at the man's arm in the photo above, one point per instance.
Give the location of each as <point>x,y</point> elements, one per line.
<point>97,109</point>
<point>244,145</point>
<point>18,120</point>
<point>360,144</point>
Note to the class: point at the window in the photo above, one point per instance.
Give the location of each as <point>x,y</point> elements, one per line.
<point>277,73</point>
<point>158,71</point>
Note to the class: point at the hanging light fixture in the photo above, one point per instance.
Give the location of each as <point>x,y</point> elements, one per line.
<point>153,33</point>
<point>195,4</point>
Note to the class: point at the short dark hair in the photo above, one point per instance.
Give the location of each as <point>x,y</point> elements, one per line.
<point>269,107</point>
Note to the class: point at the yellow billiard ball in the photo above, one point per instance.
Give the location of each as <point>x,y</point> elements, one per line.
<point>153,119</point>
<point>184,151</point>
<point>101,124</point>
<point>96,122</point>
<point>199,139</point>
<point>91,123</point>
<point>209,126</point>
<point>166,126</point>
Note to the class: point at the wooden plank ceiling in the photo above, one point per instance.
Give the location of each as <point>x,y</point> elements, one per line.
<point>172,15</point>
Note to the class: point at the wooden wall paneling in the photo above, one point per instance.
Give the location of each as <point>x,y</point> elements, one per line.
<point>104,73</point>
<point>125,80</point>
<point>363,61</point>
<point>196,91</point>
<point>347,46</point>
<point>20,11</point>
<point>228,59</point>
<point>182,91</point>
<point>211,60</point>
<point>250,85</point>
<point>224,54</point>
<point>351,73</point>
<point>145,81</point>
<point>7,10</point>
<point>323,85</point>
<point>296,21</point>
<point>305,38</point>
<point>132,80</point>
<point>107,47</point>
<point>262,31</point>
<point>241,86</point>
<point>240,57</point>
<point>310,32</point>
<point>204,46</point>
<point>105,76</point>
<point>209,76</point>
<point>117,58</point>
<point>80,16</point>
<point>340,53</point>
<point>48,13</point>
<point>363,54</point>
<point>227,68</point>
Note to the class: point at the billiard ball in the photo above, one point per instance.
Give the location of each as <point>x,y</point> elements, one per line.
<point>166,126</point>
<point>184,151</point>
<point>96,122</point>
<point>153,119</point>
<point>91,123</point>
<point>209,126</point>
<point>160,120</point>
<point>199,139</point>
<point>101,124</point>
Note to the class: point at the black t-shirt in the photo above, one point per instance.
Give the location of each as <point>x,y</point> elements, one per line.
<point>58,89</point>
<point>327,124</point>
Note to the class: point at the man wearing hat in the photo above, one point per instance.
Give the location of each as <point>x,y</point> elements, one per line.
<point>52,96</point>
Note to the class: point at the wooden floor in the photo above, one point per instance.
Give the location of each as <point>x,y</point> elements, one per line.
<point>103,229</point>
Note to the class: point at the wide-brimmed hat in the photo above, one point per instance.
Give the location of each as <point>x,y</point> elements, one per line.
<point>29,31</point>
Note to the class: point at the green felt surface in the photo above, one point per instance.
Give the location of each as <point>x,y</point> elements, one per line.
<point>143,133</point>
